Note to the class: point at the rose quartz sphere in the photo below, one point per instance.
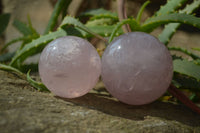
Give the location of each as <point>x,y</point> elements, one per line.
<point>136,68</point>
<point>69,66</point>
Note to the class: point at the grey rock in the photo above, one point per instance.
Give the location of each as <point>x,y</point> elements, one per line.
<point>24,110</point>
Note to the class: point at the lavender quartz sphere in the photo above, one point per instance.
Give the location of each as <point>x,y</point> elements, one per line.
<point>69,66</point>
<point>136,68</point>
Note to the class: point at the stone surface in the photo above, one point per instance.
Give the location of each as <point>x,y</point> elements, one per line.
<point>136,68</point>
<point>69,66</point>
<point>24,110</point>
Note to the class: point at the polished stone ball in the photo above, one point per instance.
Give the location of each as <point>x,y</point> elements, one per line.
<point>136,68</point>
<point>69,66</point>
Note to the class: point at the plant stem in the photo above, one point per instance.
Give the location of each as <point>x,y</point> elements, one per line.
<point>122,14</point>
<point>185,100</point>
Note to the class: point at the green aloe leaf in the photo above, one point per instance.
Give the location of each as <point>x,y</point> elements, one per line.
<point>185,51</point>
<point>186,82</point>
<point>4,20</point>
<point>65,7</point>
<point>197,49</point>
<point>100,11</point>
<point>38,85</point>
<point>11,69</point>
<point>36,46</point>
<point>68,20</point>
<point>22,27</point>
<point>6,57</point>
<point>154,22</point>
<point>188,68</point>
<point>102,20</point>
<point>132,23</point>
<point>30,26</point>
<point>60,5</point>
<point>139,15</point>
<point>104,16</point>
<point>105,30</point>
<point>98,29</point>
<point>171,28</point>
<point>12,42</point>
<point>26,67</point>
<point>27,30</point>
<point>170,7</point>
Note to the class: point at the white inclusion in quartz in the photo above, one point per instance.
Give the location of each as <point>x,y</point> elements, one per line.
<point>69,66</point>
<point>136,68</point>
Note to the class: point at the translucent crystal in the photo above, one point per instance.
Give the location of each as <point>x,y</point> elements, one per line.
<point>69,66</point>
<point>136,68</point>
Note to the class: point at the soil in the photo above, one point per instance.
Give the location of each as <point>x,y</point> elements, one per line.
<point>25,110</point>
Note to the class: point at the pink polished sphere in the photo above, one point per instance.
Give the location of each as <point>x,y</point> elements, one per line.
<point>136,68</point>
<point>69,66</point>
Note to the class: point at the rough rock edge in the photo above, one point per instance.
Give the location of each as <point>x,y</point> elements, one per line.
<point>22,109</point>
